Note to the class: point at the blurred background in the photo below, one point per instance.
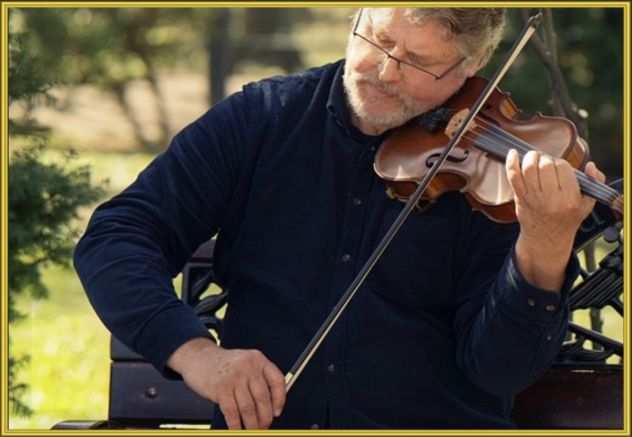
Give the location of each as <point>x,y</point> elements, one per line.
<point>96,94</point>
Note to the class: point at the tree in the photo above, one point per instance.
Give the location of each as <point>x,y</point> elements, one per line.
<point>111,48</point>
<point>44,199</point>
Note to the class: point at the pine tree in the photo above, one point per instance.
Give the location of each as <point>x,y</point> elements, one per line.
<point>44,198</point>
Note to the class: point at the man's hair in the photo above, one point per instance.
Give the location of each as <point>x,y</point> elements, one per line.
<point>477,32</point>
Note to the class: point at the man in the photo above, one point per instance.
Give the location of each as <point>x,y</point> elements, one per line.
<point>459,314</point>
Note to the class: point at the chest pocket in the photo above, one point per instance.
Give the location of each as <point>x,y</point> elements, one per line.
<point>417,268</point>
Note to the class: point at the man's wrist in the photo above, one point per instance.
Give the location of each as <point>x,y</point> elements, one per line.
<point>542,267</point>
<point>187,351</point>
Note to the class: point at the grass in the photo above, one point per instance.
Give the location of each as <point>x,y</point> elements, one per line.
<point>68,372</point>
<point>69,349</point>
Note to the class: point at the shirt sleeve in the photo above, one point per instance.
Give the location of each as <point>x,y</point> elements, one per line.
<point>139,240</point>
<point>508,330</point>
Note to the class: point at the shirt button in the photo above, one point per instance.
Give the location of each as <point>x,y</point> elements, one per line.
<point>372,148</point>
<point>531,302</point>
<point>548,337</point>
<point>331,368</point>
<point>346,258</point>
<point>550,308</point>
<point>315,426</point>
<point>357,201</point>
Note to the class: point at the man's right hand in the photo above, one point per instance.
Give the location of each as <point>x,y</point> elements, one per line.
<point>248,388</point>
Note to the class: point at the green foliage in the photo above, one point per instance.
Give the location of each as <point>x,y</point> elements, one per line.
<point>18,389</point>
<point>105,46</point>
<point>110,48</point>
<point>43,201</point>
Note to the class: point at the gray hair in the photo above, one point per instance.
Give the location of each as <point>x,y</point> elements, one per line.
<point>477,31</point>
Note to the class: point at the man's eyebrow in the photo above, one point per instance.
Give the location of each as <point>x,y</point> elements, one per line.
<point>423,59</point>
<point>419,57</point>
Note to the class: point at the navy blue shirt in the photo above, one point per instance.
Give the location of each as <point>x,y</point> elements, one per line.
<point>442,335</point>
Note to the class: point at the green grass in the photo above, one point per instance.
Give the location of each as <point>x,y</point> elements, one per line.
<point>68,372</point>
<point>69,349</point>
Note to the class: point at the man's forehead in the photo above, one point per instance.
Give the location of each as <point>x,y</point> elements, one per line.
<point>381,15</point>
<point>386,21</point>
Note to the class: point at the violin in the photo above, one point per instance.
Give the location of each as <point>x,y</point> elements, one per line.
<point>476,164</point>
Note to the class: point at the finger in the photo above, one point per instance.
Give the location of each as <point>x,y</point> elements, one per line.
<point>530,171</point>
<point>549,174</point>
<point>228,407</point>
<point>276,382</point>
<point>592,171</point>
<point>571,195</point>
<point>263,400</point>
<point>568,178</point>
<point>514,173</point>
<point>247,408</point>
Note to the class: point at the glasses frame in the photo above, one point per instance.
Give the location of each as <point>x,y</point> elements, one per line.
<point>396,59</point>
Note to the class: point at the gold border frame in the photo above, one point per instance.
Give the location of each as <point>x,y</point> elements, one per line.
<point>4,155</point>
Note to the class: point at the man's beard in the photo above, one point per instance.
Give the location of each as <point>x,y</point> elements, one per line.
<point>405,110</point>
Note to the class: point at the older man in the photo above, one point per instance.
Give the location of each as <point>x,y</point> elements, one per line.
<point>459,314</point>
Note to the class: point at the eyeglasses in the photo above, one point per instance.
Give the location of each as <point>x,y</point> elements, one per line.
<point>398,60</point>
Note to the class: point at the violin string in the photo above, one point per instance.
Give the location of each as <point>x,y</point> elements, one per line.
<point>589,182</point>
<point>591,186</point>
<point>588,187</point>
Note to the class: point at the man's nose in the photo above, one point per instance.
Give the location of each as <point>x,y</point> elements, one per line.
<point>390,70</point>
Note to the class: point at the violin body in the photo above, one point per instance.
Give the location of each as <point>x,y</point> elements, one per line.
<point>476,170</point>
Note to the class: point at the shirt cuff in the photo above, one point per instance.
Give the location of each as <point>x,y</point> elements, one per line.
<point>534,303</point>
<point>165,333</point>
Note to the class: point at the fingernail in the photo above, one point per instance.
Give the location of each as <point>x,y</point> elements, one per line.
<point>277,413</point>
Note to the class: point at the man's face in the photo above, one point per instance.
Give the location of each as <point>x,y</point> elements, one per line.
<point>383,95</point>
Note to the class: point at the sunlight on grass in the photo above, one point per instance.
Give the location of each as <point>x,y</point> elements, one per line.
<point>68,372</point>
<point>69,347</point>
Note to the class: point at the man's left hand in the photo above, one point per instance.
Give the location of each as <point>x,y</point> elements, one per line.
<point>550,208</point>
